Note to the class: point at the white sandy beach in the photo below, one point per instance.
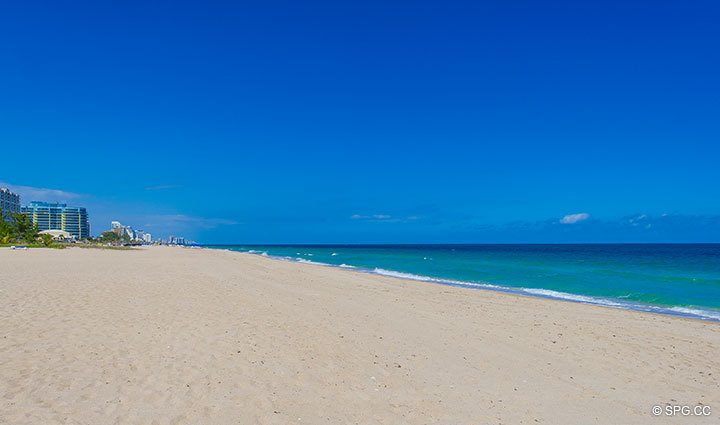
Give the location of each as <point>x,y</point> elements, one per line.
<point>179,336</point>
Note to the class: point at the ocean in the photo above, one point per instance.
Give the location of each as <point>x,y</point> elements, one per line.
<point>677,279</point>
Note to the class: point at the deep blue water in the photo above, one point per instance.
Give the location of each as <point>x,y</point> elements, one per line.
<point>681,279</point>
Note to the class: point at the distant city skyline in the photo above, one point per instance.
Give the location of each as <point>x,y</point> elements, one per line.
<point>460,122</point>
<point>132,234</point>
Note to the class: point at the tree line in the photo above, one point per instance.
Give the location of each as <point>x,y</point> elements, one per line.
<point>18,228</point>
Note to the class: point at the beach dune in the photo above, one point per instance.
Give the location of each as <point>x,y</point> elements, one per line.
<point>180,336</point>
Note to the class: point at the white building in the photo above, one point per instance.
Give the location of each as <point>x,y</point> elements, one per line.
<point>132,234</point>
<point>176,240</point>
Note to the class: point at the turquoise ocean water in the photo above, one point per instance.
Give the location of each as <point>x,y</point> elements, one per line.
<point>678,279</point>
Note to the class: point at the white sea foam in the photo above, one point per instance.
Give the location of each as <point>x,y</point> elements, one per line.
<point>347,266</point>
<point>402,275</point>
<point>304,261</point>
<point>421,278</point>
<point>333,254</point>
<point>572,297</point>
<point>263,253</point>
<point>697,312</point>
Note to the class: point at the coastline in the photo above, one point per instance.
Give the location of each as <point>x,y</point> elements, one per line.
<point>674,311</point>
<point>206,336</point>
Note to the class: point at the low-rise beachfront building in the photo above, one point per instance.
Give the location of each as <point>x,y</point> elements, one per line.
<point>56,216</point>
<point>9,203</point>
<point>59,235</point>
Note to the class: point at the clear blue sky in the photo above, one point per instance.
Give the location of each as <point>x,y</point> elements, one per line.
<point>380,121</point>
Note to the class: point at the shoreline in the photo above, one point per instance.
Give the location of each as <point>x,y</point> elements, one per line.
<point>694,313</point>
<point>168,335</point>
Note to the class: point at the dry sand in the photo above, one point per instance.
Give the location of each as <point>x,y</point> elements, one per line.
<point>181,336</point>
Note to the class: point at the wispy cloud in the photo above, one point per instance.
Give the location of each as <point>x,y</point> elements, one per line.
<point>574,218</point>
<point>181,221</point>
<point>163,187</point>
<point>371,217</point>
<point>162,225</point>
<point>383,218</point>
<point>641,219</point>
<point>30,193</point>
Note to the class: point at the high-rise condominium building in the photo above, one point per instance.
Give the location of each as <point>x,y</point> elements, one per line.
<point>9,202</point>
<point>54,216</point>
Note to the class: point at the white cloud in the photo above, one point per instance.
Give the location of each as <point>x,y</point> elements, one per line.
<point>384,218</point>
<point>635,221</point>
<point>371,217</point>
<point>29,193</point>
<point>574,218</point>
<point>163,187</point>
<point>182,220</point>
